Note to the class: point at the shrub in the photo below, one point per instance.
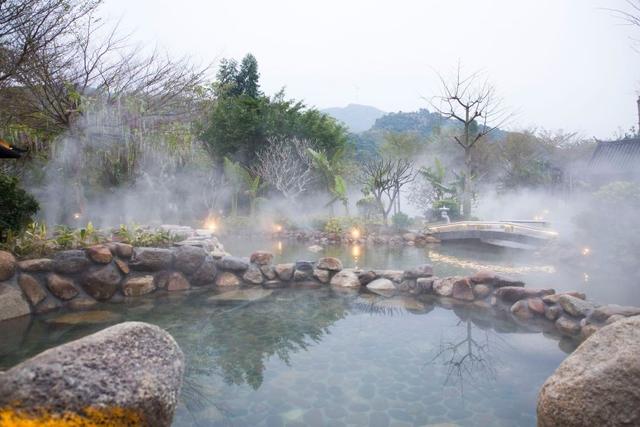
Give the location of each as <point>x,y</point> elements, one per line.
<point>17,208</point>
<point>400,221</point>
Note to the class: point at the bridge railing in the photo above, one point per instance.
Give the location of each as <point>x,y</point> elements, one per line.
<point>506,227</point>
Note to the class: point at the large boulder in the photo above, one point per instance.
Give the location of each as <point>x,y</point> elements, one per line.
<point>345,279</point>
<point>233,263</point>
<point>189,258</point>
<point>135,286</point>
<point>151,259</point>
<point>253,275</point>
<point>381,284</point>
<point>206,274</point>
<point>285,271</point>
<point>599,383</point>
<point>575,306</point>
<point>424,270</point>
<point>7,265</point>
<point>36,265</point>
<point>177,282</point>
<point>12,303</point>
<point>61,287</point>
<point>329,263</point>
<point>261,258</point>
<point>462,290</point>
<point>32,288</point>
<point>227,278</point>
<point>512,294</point>
<point>69,262</point>
<point>444,287</point>
<point>100,254</point>
<point>128,374</point>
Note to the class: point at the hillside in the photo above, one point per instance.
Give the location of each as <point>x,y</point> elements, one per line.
<point>358,118</point>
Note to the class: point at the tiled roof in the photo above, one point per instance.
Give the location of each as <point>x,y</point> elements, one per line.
<point>616,156</point>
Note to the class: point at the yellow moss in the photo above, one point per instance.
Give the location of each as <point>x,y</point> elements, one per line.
<point>90,416</point>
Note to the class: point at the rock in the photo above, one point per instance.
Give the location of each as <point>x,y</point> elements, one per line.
<point>7,265</point>
<point>81,303</point>
<point>444,287</point>
<point>302,275</point>
<point>553,299</point>
<point>306,266</point>
<point>596,385</point>
<point>253,275</point>
<point>424,270</point>
<point>124,250</point>
<point>431,239</point>
<point>502,281</point>
<point>39,265</point>
<point>536,305</point>
<point>227,278</point>
<point>520,309</point>
<point>32,288</point>
<point>424,285</point>
<point>575,306</point>
<point>177,282</point>
<point>403,302</point>
<point>122,266</point>
<point>588,329</point>
<point>100,254</point>
<point>614,319</point>
<point>602,313</point>
<point>485,277</point>
<point>151,259</point>
<point>48,305</point>
<point>552,312</point>
<point>206,273</point>
<point>481,291</point>
<point>250,294</point>
<point>102,283</point>
<point>273,284</point>
<point>393,275</point>
<point>188,259</point>
<point>138,285</point>
<point>261,258</point>
<point>285,271</point>
<point>12,304</point>
<point>61,287</point>
<point>128,374</point>
<point>366,277</point>
<point>69,262</point>
<point>381,284</point>
<point>345,279</point>
<point>407,285</point>
<point>322,276</point>
<point>567,326</point>
<point>329,263</point>
<point>512,294</point>
<point>269,271</point>
<point>462,290</point>
<point>233,263</point>
<point>92,317</point>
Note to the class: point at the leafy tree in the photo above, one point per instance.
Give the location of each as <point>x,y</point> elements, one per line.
<point>17,208</point>
<point>383,180</point>
<point>331,179</point>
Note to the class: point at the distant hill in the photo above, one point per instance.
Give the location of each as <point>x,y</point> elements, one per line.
<point>356,117</point>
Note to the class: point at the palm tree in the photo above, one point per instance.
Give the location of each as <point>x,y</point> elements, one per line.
<point>334,183</point>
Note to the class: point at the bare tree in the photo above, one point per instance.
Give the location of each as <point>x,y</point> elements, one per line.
<point>472,101</point>
<point>286,166</point>
<point>28,26</point>
<point>384,179</point>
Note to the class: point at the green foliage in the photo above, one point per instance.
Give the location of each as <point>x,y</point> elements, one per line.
<point>17,208</point>
<point>402,145</point>
<point>143,237</point>
<point>340,225</point>
<point>333,182</point>
<point>368,207</point>
<point>400,221</point>
<point>31,241</point>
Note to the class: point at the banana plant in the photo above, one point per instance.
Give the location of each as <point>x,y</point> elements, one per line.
<point>334,183</point>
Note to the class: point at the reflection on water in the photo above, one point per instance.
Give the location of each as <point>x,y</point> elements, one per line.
<point>602,282</point>
<point>313,357</point>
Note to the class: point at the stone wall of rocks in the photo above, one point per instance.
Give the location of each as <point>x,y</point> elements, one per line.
<point>78,279</point>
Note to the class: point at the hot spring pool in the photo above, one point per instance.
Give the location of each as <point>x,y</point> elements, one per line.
<point>296,357</point>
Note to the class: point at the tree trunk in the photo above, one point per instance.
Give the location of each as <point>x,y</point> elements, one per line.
<point>466,192</point>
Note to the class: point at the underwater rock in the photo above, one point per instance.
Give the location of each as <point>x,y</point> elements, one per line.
<point>596,385</point>
<point>61,287</point>
<point>95,316</point>
<point>233,263</point>
<point>425,284</point>
<point>329,263</point>
<point>285,271</point>
<point>100,254</point>
<point>552,312</point>
<point>253,275</point>
<point>273,284</point>
<point>345,279</point>
<point>462,290</point>
<point>188,259</point>
<point>32,288</point>
<point>12,302</point>
<point>81,303</point>
<point>151,259</point>
<point>227,278</point>
<point>36,265</point>
<point>102,283</point>
<point>68,262</point>
<point>7,265</point>
<point>575,306</point>
<point>128,374</point>
<point>481,291</point>
<point>48,305</point>
<point>567,326</point>
<point>249,294</point>
<point>261,258</point>
<point>536,305</point>
<point>138,285</point>
<point>520,309</point>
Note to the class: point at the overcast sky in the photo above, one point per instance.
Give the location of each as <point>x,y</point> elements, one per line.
<point>559,64</point>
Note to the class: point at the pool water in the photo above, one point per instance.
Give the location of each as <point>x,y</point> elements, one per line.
<point>316,357</point>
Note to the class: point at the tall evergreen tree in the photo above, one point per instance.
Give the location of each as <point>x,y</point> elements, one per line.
<point>248,76</point>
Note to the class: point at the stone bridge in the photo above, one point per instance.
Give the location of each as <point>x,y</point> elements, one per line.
<point>514,234</point>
